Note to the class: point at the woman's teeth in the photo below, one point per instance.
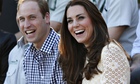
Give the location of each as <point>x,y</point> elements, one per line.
<point>79,32</point>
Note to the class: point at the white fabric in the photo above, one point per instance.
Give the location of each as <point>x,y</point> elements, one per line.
<point>119,13</point>
<point>114,66</point>
<point>57,8</point>
<point>99,4</point>
<point>136,44</point>
<point>15,73</point>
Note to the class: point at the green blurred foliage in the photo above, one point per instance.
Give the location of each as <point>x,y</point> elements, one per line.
<point>139,1</point>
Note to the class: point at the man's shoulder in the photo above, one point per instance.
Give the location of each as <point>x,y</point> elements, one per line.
<point>7,39</point>
<point>6,35</point>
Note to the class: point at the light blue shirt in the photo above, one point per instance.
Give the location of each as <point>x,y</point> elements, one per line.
<point>57,8</point>
<point>136,44</point>
<point>116,13</point>
<point>15,73</point>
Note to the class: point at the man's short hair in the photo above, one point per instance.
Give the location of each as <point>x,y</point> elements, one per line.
<point>43,5</point>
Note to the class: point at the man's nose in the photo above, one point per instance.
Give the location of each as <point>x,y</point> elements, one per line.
<point>27,24</point>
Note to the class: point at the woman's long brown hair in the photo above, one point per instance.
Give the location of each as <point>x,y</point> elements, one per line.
<point>73,54</point>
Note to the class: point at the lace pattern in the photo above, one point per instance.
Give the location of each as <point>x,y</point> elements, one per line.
<point>114,66</point>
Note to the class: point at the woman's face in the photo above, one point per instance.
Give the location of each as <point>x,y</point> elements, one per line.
<point>79,24</point>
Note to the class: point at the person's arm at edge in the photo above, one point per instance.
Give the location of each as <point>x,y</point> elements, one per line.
<point>55,25</point>
<point>116,32</point>
<point>135,61</point>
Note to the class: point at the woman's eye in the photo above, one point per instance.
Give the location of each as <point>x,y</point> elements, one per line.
<point>32,17</point>
<point>69,21</point>
<point>81,17</point>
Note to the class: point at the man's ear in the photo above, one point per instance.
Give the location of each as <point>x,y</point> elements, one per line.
<point>47,17</point>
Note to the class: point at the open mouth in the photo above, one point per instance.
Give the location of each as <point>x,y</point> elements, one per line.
<point>29,32</point>
<point>79,32</point>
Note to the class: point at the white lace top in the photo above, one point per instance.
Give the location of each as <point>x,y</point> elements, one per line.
<point>114,66</point>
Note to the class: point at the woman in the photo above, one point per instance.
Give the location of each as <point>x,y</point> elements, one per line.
<point>87,55</point>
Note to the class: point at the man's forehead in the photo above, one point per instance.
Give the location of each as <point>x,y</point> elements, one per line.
<point>28,5</point>
<point>24,9</point>
<point>26,15</point>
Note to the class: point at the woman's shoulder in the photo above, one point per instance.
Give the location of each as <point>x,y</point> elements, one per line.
<point>114,48</point>
<point>111,46</point>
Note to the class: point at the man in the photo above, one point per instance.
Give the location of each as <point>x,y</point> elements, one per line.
<point>40,62</point>
<point>56,8</point>
<point>7,42</point>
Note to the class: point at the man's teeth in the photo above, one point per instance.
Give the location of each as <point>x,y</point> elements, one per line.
<point>79,31</point>
<point>28,32</point>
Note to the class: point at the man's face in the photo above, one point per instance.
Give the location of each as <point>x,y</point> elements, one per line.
<point>32,24</point>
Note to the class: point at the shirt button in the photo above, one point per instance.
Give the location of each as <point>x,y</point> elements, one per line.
<point>42,77</point>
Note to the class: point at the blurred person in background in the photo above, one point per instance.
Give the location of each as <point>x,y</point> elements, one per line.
<point>15,73</point>
<point>8,17</point>
<point>121,20</point>
<point>7,42</point>
<point>57,8</point>
<point>135,54</point>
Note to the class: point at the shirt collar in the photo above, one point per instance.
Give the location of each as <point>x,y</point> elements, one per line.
<point>52,38</point>
<point>21,43</point>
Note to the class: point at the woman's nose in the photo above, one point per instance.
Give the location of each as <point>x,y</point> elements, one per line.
<point>75,24</point>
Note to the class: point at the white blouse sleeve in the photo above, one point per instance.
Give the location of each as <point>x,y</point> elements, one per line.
<point>116,69</point>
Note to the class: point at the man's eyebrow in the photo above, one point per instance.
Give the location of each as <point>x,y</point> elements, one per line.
<point>20,17</point>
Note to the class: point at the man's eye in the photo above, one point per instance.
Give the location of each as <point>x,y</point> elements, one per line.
<point>21,19</point>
